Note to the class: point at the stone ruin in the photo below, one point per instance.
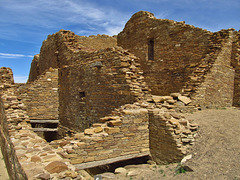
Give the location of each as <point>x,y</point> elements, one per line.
<point>96,100</point>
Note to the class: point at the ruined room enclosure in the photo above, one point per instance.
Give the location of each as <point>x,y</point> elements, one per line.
<point>98,103</point>
<point>98,96</point>
<point>177,57</point>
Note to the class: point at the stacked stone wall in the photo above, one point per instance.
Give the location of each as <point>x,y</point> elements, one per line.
<point>236,65</point>
<point>60,48</point>
<point>27,155</point>
<point>122,134</point>
<point>103,81</point>
<point>98,42</point>
<point>6,76</point>
<point>217,87</point>
<point>14,168</point>
<point>170,135</point>
<point>41,96</point>
<point>178,50</point>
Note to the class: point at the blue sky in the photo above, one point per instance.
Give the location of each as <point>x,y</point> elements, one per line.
<point>24,24</point>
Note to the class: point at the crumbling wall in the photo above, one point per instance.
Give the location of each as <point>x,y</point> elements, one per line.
<point>14,168</point>
<point>169,51</point>
<point>60,49</point>
<point>6,76</point>
<point>27,155</point>
<point>34,70</point>
<point>98,42</point>
<point>170,135</point>
<point>217,88</point>
<point>133,130</point>
<point>122,134</point>
<point>236,65</point>
<point>41,96</point>
<point>103,81</point>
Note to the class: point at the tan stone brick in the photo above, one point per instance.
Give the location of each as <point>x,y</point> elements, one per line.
<point>101,157</point>
<point>56,167</point>
<point>97,125</point>
<point>145,150</point>
<point>89,159</point>
<point>108,118</point>
<point>144,127</point>
<point>81,144</point>
<point>88,131</point>
<point>174,122</point>
<point>78,160</point>
<point>138,120</point>
<point>98,129</point>
<point>130,134</point>
<point>112,130</point>
<point>115,123</point>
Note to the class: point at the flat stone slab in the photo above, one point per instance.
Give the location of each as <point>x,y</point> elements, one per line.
<point>108,161</point>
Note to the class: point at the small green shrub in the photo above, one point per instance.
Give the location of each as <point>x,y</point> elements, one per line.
<point>180,169</point>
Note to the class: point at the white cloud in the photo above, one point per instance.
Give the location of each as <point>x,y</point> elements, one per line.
<point>20,79</point>
<point>161,15</point>
<point>7,55</point>
<point>114,30</point>
<point>56,14</point>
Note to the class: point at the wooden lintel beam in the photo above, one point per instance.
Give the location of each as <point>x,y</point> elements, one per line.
<point>44,129</point>
<point>40,121</point>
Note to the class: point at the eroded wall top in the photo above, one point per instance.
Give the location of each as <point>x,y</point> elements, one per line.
<point>168,50</point>
<point>6,76</point>
<point>63,48</point>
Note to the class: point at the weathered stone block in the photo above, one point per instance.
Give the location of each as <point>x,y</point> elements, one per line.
<point>56,167</point>
<point>137,120</point>
<point>78,160</point>
<point>184,99</point>
<point>158,99</point>
<point>89,131</point>
<point>115,123</point>
<point>108,118</point>
<point>112,130</point>
<point>98,130</point>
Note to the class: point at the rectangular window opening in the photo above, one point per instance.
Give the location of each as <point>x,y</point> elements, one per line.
<point>151,49</point>
<point>82,94</point>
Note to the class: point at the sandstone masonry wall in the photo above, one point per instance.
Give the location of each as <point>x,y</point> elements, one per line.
<point>177,49</point>
<point>170,135</point>
<point>122,134</point>
<point>236,65</point>
<point>60,48</point>
<point>27,155</point>
<point>98,42</point>
<point>41,96</point>
<point>217,88</point>
<point>14,168</point>
<point>103,81</point>
<point>6,76</point>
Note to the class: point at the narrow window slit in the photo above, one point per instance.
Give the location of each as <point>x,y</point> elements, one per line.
<point>151,49</point>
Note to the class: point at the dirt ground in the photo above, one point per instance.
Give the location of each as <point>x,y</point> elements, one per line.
<point>3,170</point>
<point>216,154</point>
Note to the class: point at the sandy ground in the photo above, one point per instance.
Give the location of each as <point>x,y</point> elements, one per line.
<point>3,170</point>
<point>216,154</point>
